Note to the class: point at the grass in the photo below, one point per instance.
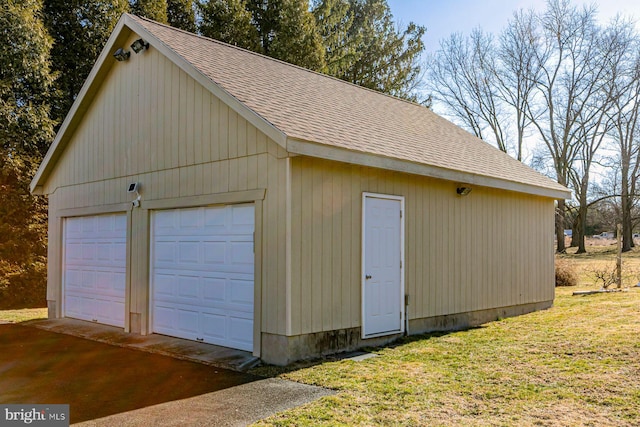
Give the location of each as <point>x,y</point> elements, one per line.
<point>576,364</point>
<point>22,315</point>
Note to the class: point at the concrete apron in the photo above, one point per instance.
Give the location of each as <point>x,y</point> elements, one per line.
<point>208,354</point>
<point>236,406</point>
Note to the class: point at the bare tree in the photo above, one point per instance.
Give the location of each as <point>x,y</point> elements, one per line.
<point>624,115</point>
<point>562,75</point>
<point>518,70</point>
<point>462,76</point>
<point>571,75</point>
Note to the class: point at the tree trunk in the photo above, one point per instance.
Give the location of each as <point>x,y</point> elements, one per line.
<point>627,225</point>
<point>581,225</point>
<point>627,222</point>
<point>574,232</point>
<point>560,211</point>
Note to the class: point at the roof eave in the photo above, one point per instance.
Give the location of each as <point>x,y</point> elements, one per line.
<point>311,149</point>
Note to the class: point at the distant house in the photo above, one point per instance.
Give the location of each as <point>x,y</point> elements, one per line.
<point>202,191</point>
<point>568,233</point>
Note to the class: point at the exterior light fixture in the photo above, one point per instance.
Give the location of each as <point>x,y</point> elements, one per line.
<point>139,45</point>
<point>463,191</point>
<point>122,55</point>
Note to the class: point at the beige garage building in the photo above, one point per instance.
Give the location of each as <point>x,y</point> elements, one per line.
<point>202,191</point>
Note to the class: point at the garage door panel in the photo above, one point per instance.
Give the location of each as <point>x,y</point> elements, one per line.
<point>203,262</point>
<point>213,290</point>
<point>188,321</point>
<point>163,221</point>
<point>94,279</point>
<point>191,219</point>
<point>215,219</point>
<point>164,252</point>
<point>214,252</point>
<point>164,286</point>
<point>188,252</point>
<point>238,328</point>
<point>109,311</point>
<point>88,251</point>
<point>88,280</point>
<point>164,318</point>
<point>214,326</point>
<point>104,280</point>
<point>242,216</point>
<point>188,288</point>
<point>241,252</point>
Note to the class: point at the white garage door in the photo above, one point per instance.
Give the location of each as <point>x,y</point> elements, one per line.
<point>94,268</point>
<point>202,274</point>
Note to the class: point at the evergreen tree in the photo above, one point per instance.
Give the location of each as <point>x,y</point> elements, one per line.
<point>26,130</point>
<point>369,51</point>
<point>288,32</point>
<point>334,21</point>
<point>181,14</point>
<point>283,29</point>
<point>228,21</point>
<point>80,29</point>
<point>152,9</point>
<point>26,82</point>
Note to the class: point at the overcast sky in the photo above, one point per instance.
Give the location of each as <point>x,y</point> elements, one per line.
<point>443,17</point>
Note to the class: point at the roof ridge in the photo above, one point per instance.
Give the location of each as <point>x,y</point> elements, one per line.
<point>261,55</point>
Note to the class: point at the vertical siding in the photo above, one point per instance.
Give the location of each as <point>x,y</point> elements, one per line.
<point>489,249</point>
<point>151,122</point>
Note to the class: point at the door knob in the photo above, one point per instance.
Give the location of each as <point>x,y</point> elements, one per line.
<point>367,277</point>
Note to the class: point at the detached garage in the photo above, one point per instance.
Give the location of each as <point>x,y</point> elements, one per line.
<point>205,192</point>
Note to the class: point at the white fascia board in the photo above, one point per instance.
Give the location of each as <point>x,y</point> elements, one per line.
<point>311,149</point>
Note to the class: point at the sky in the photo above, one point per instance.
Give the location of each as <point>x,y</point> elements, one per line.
<point>443,17</point>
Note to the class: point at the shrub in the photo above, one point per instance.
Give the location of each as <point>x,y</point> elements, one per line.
<point>604,276</point>
<point>565,274</point>
<point>23,287</point>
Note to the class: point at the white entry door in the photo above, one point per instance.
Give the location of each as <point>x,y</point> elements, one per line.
<point>94,268</point>
<point>202,274</point>
<point>382,281</point>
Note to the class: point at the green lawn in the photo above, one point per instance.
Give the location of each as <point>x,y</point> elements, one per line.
<point>22,315</point>
<point>575,364</point>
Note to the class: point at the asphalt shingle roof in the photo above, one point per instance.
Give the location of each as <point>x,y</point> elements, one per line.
<point>316,108</point>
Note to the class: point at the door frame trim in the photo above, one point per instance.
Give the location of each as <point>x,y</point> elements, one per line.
<point>366,195</point>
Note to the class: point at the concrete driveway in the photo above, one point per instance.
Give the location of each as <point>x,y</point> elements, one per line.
<point>100,380</point>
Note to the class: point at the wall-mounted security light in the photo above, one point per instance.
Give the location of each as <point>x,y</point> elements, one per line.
<point>139,45</point>
<point>463,191</point>
<point>134,187</point>
<point>121,54</point>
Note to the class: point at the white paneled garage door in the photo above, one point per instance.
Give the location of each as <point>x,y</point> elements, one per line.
<point>94,268</point>
<point>202,274</point>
